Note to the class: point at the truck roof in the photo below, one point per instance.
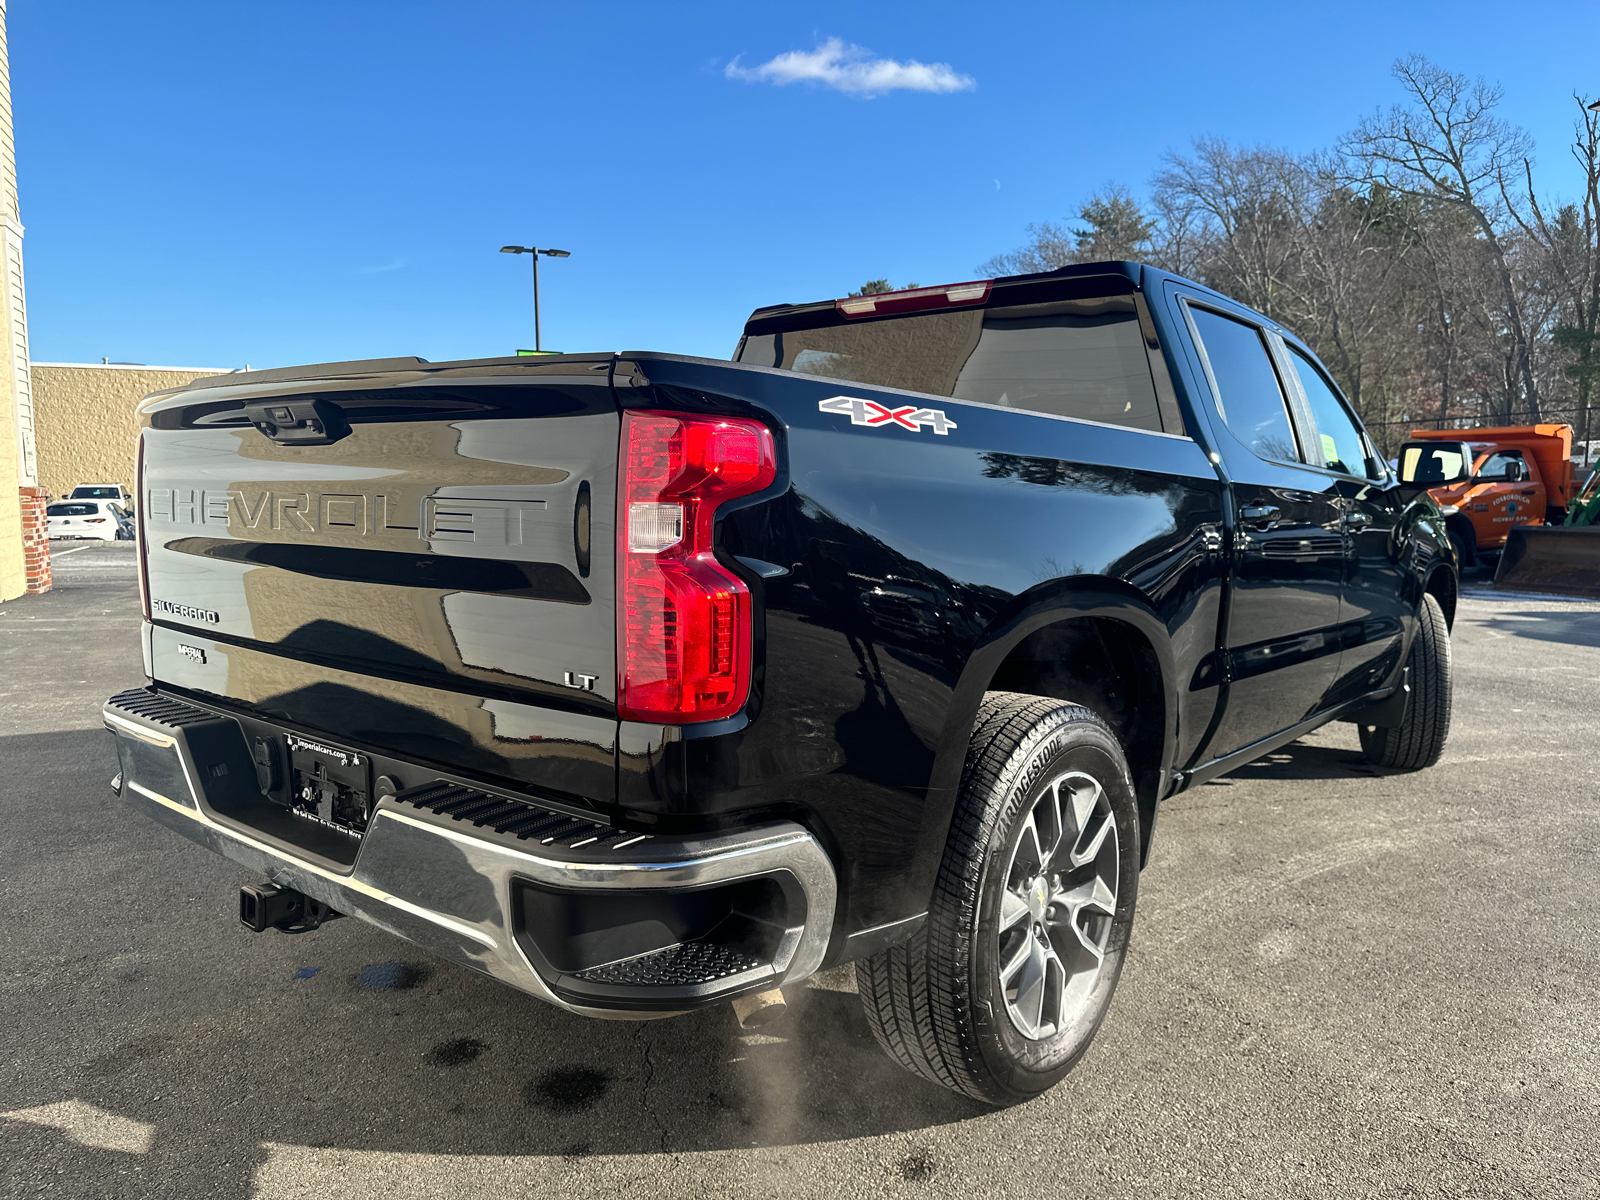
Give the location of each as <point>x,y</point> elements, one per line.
<point>1011,289</point>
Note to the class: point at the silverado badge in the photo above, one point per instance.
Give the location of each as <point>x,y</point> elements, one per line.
<point>869,412</point>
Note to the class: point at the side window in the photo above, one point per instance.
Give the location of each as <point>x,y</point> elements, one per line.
<point>1251,399</point>
<point>1506,465</point>
<point>1343,448</point>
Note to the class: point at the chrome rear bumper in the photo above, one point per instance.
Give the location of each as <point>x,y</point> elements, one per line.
<point>485,899</point>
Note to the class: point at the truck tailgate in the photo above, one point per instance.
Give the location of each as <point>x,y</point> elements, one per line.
<point>447,547</point>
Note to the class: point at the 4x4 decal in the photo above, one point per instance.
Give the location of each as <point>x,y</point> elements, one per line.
<point>869,412</point>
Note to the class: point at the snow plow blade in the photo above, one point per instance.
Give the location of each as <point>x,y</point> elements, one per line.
<point>1551,560</point>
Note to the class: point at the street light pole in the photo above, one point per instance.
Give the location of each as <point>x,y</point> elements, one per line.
<point>538,343</point>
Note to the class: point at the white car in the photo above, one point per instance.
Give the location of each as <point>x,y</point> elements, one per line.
<point>102,491</point>
<point>103,520</point>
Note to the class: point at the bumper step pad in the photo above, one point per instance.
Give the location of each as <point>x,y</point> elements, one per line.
<point>162,710</point>
<point>683,965</point>
<point>516,818</point>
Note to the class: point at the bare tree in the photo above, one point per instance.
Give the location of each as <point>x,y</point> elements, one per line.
<point>1114,227</point>
<point>1235,203</point>
<point>1447,277</point>
<point>1570,244</point>
<point>1292,237</point>
<point>1350,262</point>
<point>1416,258</point>
<point>1049,248</point>
<point>1448,145</point>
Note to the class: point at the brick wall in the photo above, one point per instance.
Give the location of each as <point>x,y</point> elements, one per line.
<point>36,539</point>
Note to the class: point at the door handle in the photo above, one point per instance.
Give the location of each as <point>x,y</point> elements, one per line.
<point>1262,516</point>
<point>1357,520</point>
<point>1527,491</point>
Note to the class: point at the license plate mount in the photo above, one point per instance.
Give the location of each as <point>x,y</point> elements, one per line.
<point>329,784</point>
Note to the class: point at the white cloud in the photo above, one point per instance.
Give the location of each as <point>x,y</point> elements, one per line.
<point>388,266</point>
<point>852,69</point>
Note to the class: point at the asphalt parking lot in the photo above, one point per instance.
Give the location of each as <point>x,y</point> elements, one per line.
<point>1341,983</point>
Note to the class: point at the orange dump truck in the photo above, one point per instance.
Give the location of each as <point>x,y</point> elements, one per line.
<point>1521,475</point>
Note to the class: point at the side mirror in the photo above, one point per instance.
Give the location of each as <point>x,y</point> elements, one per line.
<point>1430,464</point>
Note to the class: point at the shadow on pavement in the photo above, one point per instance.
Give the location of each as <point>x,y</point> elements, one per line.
<point>1301,760</point>
<point>1567,628</point>
<point>169,1049</point>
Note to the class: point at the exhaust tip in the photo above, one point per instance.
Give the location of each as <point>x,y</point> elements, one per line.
<point>760,1009</point>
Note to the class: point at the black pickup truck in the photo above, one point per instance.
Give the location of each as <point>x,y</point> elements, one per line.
<point>644,683</point>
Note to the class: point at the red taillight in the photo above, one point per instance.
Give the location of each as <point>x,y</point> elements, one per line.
<point>139,495</point>
<point>683,619</point>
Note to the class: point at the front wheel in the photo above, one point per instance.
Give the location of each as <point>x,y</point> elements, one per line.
<point>1000,992</point>
<point>1419,739</point>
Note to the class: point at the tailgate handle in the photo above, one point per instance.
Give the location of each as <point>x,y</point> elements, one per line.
<point>299,422</point>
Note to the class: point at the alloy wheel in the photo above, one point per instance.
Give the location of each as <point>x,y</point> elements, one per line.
<point>1057,908</point>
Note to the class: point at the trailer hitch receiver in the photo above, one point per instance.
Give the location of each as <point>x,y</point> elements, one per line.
<point>264,906</point>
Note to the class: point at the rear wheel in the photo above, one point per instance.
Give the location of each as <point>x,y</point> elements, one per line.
<point>1419,739</point>
<point>1002,989</point>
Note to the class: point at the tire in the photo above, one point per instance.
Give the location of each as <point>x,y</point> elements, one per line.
<point>1419,739</point>
<point>955,1004</point>
<point>1465,558</point>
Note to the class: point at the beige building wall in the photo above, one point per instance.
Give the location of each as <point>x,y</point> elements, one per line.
<point>16,417</point>
<point>86,421</point>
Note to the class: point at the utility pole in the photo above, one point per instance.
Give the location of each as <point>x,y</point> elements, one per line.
<point>538,344</point>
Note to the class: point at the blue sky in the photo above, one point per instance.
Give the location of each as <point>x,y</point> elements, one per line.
<point>216,184</point>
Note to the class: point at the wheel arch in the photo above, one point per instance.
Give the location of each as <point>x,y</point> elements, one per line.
<point>1086,617</point>
<point>1108,666</point>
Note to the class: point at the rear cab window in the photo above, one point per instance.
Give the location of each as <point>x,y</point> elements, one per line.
<point>72,510</point>
<point>1088,358</point>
